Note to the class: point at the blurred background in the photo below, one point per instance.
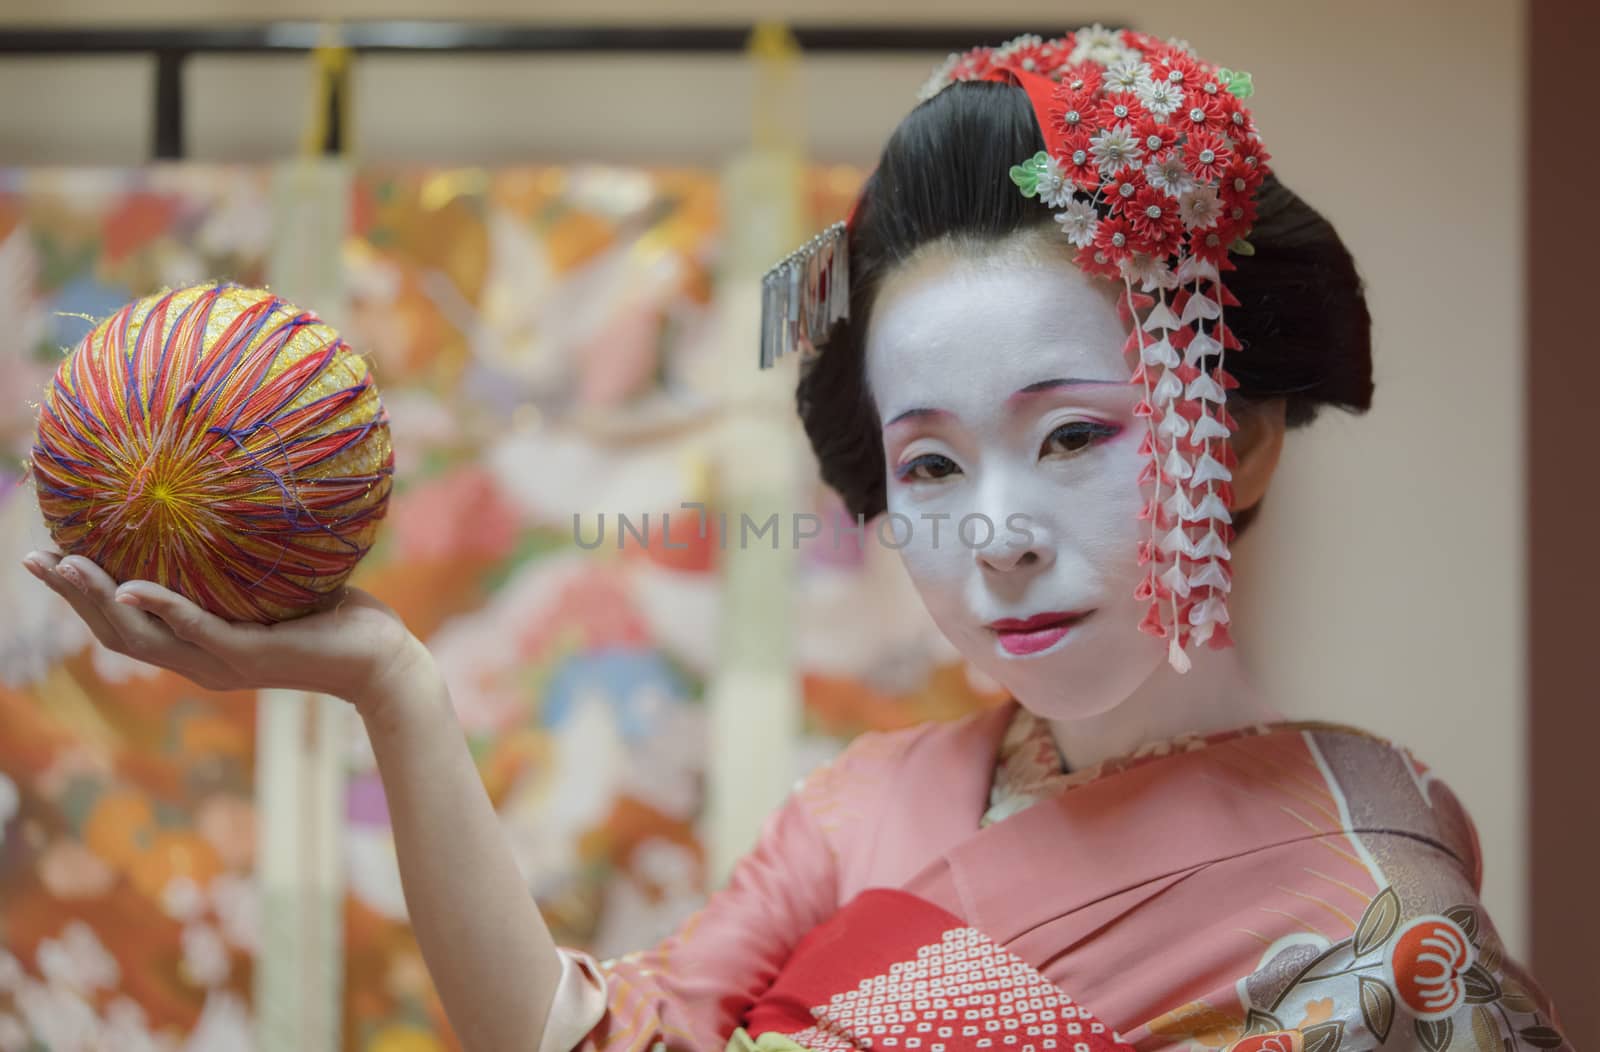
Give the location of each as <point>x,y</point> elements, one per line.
<point>546,228</point>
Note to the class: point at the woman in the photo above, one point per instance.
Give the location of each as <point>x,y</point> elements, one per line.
<point>1137,851</point>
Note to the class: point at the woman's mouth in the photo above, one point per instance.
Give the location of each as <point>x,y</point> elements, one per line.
<point>1030,635</point>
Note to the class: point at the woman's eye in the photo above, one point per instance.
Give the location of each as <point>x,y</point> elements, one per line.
<point>926,468</point>
<point>1075,437</point>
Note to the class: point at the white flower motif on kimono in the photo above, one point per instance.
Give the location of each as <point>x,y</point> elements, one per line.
<point>183,900</point>
<point>1200,208</point>
<point>126,1027</point>
<point>1114,149</point>
<point>238,909</point>
<point>118,668</point>
<point>39,629</point>
<point>652,900</point>
<point>205,956</point>
<point>420,424</point>
<point>239,223</point>
<point>9,802</point>
<point>77,960</point>
<point>1170,175</point>
<point>71,763</point>
<point>668,767</point>
<point>225,1025</point>
<point>1079,223</point>
<point>1127,75</point>
<point>13,1035</point>
<point>10,973</point>
<point>69,870</point>
<point>1161,97</point>
<point>373,875</point>
<point>59,1018</point>
<point>21,371</point>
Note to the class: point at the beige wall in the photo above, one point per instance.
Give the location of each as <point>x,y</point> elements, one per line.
<point>1384,584</point>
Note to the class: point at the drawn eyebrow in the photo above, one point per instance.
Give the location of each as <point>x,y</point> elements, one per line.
<point>1060,381</point>
<point>909,413</point>
<point>1038,387</point>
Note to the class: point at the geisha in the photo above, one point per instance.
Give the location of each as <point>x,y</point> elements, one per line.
<point>1073,303</point>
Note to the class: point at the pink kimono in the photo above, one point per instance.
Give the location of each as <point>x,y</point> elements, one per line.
<point>1288,888</point>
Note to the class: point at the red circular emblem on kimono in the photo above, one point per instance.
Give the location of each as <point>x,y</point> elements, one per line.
<point>1430,958</point>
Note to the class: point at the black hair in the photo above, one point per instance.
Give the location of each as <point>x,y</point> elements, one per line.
<point>944,176</point>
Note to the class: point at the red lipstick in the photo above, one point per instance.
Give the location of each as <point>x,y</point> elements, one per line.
<point>1029,635</point>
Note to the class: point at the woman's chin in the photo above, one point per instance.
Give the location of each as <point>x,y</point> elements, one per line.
<point>1078,676</point>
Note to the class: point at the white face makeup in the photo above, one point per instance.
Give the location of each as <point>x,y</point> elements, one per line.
<point>1004,393</point>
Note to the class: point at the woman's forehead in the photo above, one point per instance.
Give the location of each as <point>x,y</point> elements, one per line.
<point>948,325</point>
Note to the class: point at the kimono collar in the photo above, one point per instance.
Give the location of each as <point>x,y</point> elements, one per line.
<point>1029,766</point>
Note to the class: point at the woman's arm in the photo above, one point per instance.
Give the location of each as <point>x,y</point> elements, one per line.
<point>482,937</point>
<point>691,992</point>
<point>484,941</point>
<point>486,946</point>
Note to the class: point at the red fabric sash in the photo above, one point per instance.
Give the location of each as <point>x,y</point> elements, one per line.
<point>894,972</point>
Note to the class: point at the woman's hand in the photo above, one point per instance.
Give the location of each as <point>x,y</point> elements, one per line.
<point>490,954</point>
<point>357,649</point>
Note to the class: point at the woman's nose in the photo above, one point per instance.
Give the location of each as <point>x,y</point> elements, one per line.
<point>1018,543</point>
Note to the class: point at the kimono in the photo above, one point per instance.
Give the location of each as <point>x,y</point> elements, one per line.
<point>1290,887</point>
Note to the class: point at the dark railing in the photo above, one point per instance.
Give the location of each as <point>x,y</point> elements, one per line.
<point>172,46</point>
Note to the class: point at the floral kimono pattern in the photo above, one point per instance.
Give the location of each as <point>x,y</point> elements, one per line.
<point>1282,888</point>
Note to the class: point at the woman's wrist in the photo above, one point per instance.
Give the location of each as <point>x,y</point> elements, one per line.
<point>407,680</point>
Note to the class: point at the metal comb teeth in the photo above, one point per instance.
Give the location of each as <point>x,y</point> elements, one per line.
<point>804,295</point>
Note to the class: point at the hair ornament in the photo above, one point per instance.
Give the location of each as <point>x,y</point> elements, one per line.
<point>1150,167</point>
<point>803,296</point>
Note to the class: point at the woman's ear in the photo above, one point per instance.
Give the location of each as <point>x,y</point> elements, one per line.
<point>1257,443</point>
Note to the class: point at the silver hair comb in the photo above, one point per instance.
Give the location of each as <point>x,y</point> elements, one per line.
<point>804,295</point>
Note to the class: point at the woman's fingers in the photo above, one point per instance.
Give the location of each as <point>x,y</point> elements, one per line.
<point>337,650</point>
<point>140,637</point>
<point>46,566</point>
<point>185,619</point>
<point>120,626</point>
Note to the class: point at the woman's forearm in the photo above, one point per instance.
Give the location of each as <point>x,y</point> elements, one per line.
<point>485,944</point>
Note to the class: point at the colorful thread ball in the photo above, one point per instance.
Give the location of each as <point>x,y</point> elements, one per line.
<point>220,442</point>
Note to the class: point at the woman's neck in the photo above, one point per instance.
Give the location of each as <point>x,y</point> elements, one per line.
<point>1215,695</point>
